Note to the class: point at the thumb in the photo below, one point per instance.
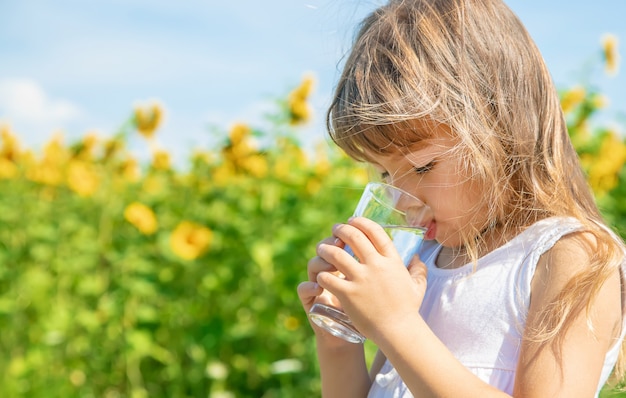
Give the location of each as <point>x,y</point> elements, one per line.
<point>417,269</point>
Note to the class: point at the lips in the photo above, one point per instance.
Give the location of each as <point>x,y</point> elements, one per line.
<point>431,231</point>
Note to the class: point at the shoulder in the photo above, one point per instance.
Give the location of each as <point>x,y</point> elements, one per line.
<point>573,257</point>
<point>541,236</point>
<point>571,276</point>
<point>571,254</point>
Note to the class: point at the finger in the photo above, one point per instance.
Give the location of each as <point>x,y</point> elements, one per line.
<point>317,265</point>
<point>417,269</point>
<point>356,240</point>
<point>334,284</point>
<point>333,259</point>
<point>376,235</point>
<point>307,292</point>
<point>332,240</point>
<point>367,239</point>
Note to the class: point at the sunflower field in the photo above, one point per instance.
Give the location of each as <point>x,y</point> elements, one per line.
<point>121,278</point>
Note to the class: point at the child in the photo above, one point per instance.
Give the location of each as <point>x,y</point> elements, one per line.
<point>519,289</point>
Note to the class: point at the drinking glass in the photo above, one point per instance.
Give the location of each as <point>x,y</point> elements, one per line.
<point>403,217</point>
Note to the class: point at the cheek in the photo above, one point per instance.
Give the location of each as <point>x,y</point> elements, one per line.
<point>459,209</point>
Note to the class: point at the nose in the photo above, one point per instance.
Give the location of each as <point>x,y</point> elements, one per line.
<point>418,216</point>
<point>417,213</point>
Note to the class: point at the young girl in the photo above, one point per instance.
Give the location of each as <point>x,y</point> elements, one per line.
<point>518,290</point>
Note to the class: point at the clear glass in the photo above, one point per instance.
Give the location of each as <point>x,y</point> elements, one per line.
<point>403,216</point>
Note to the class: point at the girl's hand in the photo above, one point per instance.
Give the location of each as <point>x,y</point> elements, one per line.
<point>310,292</point>
<point>378,291</point>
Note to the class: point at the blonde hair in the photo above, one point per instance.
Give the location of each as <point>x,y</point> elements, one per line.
<point>471,66</point>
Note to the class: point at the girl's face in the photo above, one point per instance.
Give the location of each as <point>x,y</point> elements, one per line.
<point>433,172</point>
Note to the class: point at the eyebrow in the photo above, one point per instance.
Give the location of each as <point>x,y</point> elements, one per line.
<point>416,147</point>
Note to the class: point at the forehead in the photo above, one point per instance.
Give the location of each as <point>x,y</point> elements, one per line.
<point>402,138</point>
<point>420,152</point>
<point>440,140</point>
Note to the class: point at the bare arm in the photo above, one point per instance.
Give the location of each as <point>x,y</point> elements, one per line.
<point>342,365</point>
<point>575,372</point>
<point>342,368</point>
<point>426,365</point>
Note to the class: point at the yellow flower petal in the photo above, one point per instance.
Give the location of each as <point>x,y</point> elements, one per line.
<point>148,118</point>
<point>572,98</point>
<point>10,145</point>
<point>54,153</point>
<point>189,240</point>
<point>161,160</point>
<point>603,171</point>
<point>142,217</point>
<point>256,165</point>
<point>611,54</point>
<point>238,133</point>
<point>299,110</point>
<point>82,178</point>
<point>129,170</point>
<point>8,169</point>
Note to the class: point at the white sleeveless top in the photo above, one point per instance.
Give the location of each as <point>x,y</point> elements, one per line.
<point>480,313</point>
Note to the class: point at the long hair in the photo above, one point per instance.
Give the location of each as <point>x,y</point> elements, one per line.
<point>470,65</point>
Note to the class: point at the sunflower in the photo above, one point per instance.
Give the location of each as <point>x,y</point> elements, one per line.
<point>189,240</point>
<point>148,118</point>
<point>142,217</point>
<point>611,54</point>
<point>82,178</point>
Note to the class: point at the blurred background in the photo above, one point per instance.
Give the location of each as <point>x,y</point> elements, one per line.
<point>165,175</point>
<point>76,67</point>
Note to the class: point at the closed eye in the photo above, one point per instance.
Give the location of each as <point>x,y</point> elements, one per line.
<point>424,169</point>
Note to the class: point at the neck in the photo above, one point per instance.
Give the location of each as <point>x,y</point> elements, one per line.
<point>490,239</point>
<point>452,257</point>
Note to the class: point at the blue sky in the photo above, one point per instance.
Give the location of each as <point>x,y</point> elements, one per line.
<point>78,66</point>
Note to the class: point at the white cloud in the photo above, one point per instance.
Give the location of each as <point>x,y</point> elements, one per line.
<point>27,107</point>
